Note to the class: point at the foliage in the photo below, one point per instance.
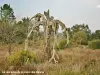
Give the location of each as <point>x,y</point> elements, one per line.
<point>21,28</point>
<point>94,44</point>
<point>61,44</point>
<point>96,34</point>
<point>7,21</point>
<point>80,38</point>
<point>81,27</point>
<point>7,33</point>
<point>7,13</point>
<point>21,57</point>
<point>10,30</point>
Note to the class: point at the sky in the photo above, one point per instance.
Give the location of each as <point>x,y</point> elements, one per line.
<point>70,12</point>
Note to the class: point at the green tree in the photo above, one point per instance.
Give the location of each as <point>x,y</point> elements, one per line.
<point>81,27</point>
<point>79,38</point>
<point>7,21</point>
<point>6,13</point>
<point>7,24</point>
<point>96,34</point>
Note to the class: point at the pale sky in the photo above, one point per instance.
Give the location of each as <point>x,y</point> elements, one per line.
<point>70,12</point>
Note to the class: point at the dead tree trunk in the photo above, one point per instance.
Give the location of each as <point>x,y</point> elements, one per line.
<point>29,34</point>
<point>26,41</point>
<point>47,42</point>
<point>54,54</point>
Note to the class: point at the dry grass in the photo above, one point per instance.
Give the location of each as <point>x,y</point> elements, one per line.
<point>73,61</point>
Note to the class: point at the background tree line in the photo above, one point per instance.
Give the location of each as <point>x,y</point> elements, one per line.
<point>12,31</point>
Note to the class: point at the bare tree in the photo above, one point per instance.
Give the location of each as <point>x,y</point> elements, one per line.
<point>48,24</point>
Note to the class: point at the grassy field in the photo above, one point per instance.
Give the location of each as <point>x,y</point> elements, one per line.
<point>73,61</point>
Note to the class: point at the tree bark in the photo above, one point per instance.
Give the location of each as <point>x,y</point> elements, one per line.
<point>29,34</point>
<point>47,42</point>
<point>54,54</point>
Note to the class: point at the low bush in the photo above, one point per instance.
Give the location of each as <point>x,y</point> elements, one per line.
<point>21,57</point>
<point>61,44</point>
<point>94,44</point>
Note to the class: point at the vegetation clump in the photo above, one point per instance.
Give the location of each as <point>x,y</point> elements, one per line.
<point>61,44</point>
<point>94,44</point>
<point>21,57</point>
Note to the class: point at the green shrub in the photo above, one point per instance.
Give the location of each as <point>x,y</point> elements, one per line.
<point>61,44</point>
<point>94,44</point>
<point>80,38</point>
<point>21,57</point>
